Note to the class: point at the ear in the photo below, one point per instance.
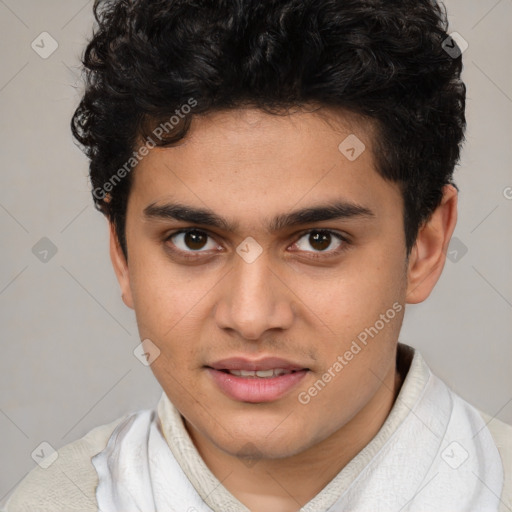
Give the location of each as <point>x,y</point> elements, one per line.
<point>428,256</point>
<point>120,267</point>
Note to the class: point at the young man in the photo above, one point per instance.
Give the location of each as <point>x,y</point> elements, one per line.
<point>278,181</point>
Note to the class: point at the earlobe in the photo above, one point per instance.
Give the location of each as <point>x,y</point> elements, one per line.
<point>428,255</point>
<point>120,267</point>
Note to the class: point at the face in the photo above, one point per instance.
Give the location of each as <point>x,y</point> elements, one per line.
<point>257,244</point>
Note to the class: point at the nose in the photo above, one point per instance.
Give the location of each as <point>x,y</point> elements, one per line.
<point>254,300</point>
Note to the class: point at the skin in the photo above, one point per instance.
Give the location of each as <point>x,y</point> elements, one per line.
<point>248,166</point>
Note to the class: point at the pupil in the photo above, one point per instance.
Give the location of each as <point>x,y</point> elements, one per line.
<point>320,241</point>
<point>195,240</point>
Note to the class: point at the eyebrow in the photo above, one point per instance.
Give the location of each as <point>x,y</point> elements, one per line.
<point>332,211</point>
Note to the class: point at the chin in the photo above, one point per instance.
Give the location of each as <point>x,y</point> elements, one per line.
<point>259,445</point>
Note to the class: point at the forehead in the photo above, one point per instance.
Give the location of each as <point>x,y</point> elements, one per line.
<point>249,163</point>
<point>247,134</point>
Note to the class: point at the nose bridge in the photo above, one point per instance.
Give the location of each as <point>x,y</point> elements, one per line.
<point>253,301</point>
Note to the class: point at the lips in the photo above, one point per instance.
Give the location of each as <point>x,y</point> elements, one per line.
<point>256,381</point>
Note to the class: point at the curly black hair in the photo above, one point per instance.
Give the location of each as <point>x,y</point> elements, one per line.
<point>381,59</point>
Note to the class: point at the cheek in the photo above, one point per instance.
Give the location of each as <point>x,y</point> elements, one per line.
<point>361,291</point>
<point>360,314</point>
<point>157,299</point>
<point>171,305</point>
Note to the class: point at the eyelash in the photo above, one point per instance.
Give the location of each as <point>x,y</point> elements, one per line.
<point>318,255</point>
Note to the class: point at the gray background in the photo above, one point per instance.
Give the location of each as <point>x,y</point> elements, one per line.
<point>67,362</point>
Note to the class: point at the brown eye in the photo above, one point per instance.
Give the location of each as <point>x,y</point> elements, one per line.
<point>195,240</point>
<point>320,241</point>
<point>191,240</point>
